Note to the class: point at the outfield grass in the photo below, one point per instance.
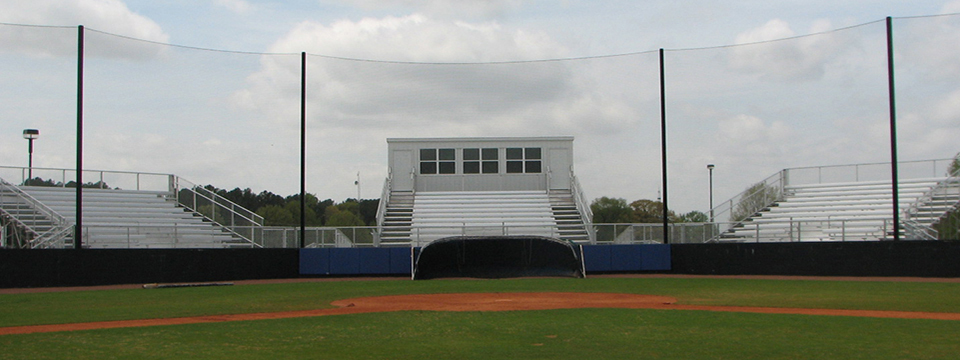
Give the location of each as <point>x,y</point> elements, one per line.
<point>549,334</point>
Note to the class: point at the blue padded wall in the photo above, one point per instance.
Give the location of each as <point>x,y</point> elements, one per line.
<point>355,261</point>
<point>396,261</point>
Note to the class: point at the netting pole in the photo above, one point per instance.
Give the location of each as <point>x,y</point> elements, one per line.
<point>78,232</point>
<point>303,148</point>
<point>893,134</point>
<point>663,147</point>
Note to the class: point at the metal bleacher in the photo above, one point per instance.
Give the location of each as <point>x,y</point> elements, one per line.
<point>181,216</point>
<point>797,205</point>
<point>135,219</point>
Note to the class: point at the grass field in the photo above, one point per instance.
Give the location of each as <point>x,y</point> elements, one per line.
<point>543,334</point>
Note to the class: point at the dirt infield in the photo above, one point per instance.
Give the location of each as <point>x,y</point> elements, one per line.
<point>477,302</point>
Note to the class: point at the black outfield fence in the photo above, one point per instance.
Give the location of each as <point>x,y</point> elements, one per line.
<point>43,268</point>
<point>886,258</point>
<point>49,268</point>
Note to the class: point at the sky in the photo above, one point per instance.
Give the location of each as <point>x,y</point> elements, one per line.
<point>752,87</point>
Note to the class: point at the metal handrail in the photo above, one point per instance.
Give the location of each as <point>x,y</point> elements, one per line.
<point>583,206</point>
<point>926,231</point>
<point>778,180</point>
<point>219,201</point>
<point>382,205</point>
<point>917,231</point>
<point>60,227</point>
<point>136,175</point>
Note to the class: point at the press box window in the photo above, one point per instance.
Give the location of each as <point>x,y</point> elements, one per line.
<point>477,161</point>
<point>523,160</point>
<point>438,161</point>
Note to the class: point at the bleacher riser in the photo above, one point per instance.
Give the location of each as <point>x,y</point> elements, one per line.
<point>140,219</point>
<point>850,211</point>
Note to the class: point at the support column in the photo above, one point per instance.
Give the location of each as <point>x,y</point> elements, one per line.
<point>663,149</point>
<point>894,171</point>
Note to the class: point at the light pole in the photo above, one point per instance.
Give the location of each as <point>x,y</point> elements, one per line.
<point>30,135</point>
<point>710,170</point>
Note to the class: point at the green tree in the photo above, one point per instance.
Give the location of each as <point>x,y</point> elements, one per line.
<point>37,181</point>
<point>610,211</point>
<point>293,207</point>
<point>694,217</point>
<point>368,211</point>
<point>341,218</point>
<point>274,215</point>
<point>649,211</point>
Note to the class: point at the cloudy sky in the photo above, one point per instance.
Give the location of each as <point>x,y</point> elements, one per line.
<point>753,86</point>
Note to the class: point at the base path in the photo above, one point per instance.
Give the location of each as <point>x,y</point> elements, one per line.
<point>477,302</point>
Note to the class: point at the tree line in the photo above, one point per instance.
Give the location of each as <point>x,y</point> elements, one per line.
<point>608,210</point>
<point>278,210</point>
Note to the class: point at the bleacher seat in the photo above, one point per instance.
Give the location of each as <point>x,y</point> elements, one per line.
<point>833,212</point>
<point>134,219</point>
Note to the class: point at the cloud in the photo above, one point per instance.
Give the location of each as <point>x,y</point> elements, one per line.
<point>111,16</point>
<point>237,6</point>
<point>744,136</point>
<point>385,95</point>
<point>951,7</point>
<point>445,8</point>
<point>764,52</point>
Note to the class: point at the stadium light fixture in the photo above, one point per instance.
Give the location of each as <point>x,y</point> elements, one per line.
<point>30,135</point>
<point>710,169</point>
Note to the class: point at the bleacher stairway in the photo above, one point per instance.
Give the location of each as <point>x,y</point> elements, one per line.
<point>134,219</point>
<point>855,211</point>
<point>426,216</point>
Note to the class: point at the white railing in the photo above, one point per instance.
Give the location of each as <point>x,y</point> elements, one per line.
<point>750,201</point>
<point>60,228</point>
<point>809,230</point>
<point>234,218</point>
<point>652,233</point>
<point>320,237</point>
<point>422,235</point>
<point>174,236</point>
<point>948,189</point>
<point>382,205</point>
<point>128,180</point>
<point>364,236</point>
<point>879,171</point>
<point>583,206</point>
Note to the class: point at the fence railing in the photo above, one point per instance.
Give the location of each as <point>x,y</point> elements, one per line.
<point>125,180</point>
<point>238,220</point>
<point>364,236</point>
<point>947,191</point>
<point>758,196</point>
<point>680,233</point>
<point>175,236</point>
<point>382,206</point>
<point>320,237</point>
<point>583,206</point>
<point>878,171</point>
<point>810,230</point>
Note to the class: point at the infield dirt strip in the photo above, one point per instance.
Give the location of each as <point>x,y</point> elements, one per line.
<point>478,302</point>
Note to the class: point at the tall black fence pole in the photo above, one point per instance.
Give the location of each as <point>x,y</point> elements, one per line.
<point>663,148</point>
<point>894,171</point>
<point>78,230</point>
<point>303,148</point>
